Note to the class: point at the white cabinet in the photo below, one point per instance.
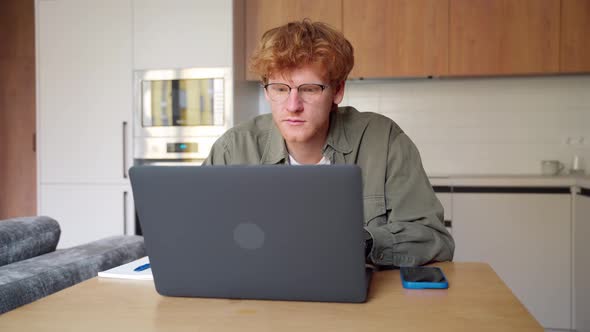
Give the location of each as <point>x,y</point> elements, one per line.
<point>526,238</point>
<point>85,90</point>
<point>582,262</point>
<point>182,33</point>
<point>84,83</point>
<point>88,212</point>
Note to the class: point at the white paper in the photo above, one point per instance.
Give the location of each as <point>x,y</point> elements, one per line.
<point>126,271</point>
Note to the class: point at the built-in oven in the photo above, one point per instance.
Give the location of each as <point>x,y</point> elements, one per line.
<point>179,114</point>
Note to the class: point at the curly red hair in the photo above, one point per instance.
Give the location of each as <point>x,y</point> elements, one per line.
<point>298,44</point>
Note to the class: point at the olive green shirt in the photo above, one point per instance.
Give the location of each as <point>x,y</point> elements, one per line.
<point>401,211</point>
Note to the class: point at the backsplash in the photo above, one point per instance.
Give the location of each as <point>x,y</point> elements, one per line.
<point>484,125</point>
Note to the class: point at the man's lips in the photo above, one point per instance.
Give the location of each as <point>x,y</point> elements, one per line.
<point>294,121</point>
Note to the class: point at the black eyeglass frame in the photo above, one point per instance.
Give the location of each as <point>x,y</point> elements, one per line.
<point>323,86</point>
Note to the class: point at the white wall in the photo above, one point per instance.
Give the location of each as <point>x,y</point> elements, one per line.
<point>485,125</point>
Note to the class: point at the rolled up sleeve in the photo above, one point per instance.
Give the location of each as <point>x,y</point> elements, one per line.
<point>414,233</point>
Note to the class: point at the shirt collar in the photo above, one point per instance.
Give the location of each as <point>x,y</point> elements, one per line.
<point>276,151</point>
<point>337,138</point>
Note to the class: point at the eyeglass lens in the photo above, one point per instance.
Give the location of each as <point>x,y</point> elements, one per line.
<point>279,92</point>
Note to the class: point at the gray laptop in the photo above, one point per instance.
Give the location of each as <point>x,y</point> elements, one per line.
<point>254,232</point>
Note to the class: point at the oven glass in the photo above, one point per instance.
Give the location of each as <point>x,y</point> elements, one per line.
<point>183,102</point>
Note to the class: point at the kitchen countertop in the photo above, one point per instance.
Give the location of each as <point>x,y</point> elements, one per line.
<point>584,182</point>
<point>506,180</point>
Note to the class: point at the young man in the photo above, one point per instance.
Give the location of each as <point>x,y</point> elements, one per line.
<point>303,67</point>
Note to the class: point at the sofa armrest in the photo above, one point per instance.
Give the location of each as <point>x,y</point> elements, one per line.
<point>26,281</point>
<point>23,238</point>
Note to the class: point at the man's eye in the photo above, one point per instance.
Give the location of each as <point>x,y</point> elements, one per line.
<point>310,89</point>
<point>280,89</point>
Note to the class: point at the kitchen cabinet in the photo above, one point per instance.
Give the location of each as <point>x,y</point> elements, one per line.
<point>171,34</point>
<point>500,37</point>
<point>84,112</point>
<point>575,29</point>
<point>526,238</point>
<point>84,86</point>
<point>582,261</point>
<point>88,212</point>
<point>417,38</point>
<point>397,38</point>
<point>262,15</point>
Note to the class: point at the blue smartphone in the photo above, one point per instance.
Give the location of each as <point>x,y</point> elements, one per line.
<point>423,277</point>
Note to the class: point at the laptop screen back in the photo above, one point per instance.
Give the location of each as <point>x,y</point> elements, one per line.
<point>256,232</point>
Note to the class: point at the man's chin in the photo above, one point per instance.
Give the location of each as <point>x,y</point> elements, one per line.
<point>294,137</point>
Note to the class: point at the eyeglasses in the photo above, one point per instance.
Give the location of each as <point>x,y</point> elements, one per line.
<point>309,92</point>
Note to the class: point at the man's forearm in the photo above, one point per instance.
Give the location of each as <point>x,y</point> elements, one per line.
<point>410,243</point>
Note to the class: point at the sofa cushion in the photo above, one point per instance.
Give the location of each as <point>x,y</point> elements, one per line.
<point>22,238</point>
<point>26,281</point>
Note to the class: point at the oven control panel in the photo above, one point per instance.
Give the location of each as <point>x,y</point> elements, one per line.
<point>185,147</point>
<point>172,147</point>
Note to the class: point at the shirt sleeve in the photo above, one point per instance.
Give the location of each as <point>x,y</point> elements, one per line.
<point>414,233</point>
<point>218,154</point>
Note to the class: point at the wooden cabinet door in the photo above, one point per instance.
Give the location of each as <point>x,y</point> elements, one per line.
<point>396,38</point>
<point>18,160</point>
<point>262,15</point>
<point>526,238</point>
<point>502,37</point>
<point>575,36</point>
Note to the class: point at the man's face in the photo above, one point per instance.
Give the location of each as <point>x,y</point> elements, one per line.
<point>304,116</point>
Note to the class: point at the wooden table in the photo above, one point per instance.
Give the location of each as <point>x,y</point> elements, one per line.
<point>477,300</point>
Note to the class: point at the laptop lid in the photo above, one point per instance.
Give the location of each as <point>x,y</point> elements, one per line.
<point>254,232</point>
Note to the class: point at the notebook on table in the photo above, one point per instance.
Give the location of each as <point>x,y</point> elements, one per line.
<point>136,270</point>
<point>254,232</point>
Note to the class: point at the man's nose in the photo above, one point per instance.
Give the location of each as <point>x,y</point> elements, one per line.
<point>294,102</point>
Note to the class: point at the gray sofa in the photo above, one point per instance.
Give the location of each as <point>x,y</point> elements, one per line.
<point>31,267</point>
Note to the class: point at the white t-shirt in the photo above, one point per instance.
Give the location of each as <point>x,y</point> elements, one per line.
<point>323,161</point>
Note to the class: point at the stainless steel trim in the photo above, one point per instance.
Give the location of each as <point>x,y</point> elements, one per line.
<point>146,92</point>
<point>125,212</point>
<point>124,149</point>
<point>155,147</point>
<point>198,162</point>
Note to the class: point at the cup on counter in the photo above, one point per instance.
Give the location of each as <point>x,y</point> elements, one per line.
<point>577,166</point>
<point>551,167</point>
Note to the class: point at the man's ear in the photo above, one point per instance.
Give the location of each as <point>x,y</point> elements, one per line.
<point>339,95</point>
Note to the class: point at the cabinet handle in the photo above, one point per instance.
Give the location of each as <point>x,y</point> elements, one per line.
<point>124,149</point>
<point>125,212</point>
<point>448,223</point>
